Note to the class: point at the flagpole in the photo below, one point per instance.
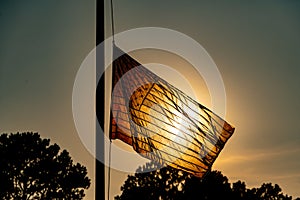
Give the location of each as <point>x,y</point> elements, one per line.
<point>112,21</point>
<point>110,141</point>
<point>100,104</point>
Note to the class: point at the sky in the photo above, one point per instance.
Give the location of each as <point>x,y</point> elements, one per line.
<point>255,45</point>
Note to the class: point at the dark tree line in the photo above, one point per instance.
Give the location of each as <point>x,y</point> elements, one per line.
<point>32,168</point>
<point>171,184</point>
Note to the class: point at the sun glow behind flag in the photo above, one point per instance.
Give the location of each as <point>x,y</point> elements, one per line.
<point>161,122</point>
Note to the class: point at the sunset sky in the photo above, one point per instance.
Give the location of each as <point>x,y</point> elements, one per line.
<point>255,45</point>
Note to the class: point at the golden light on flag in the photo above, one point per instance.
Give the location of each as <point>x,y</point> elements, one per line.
<point>161,122</point>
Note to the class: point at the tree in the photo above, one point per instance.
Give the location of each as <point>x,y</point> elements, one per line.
<point>169,183</point>
<point>166,183</point>
<point>31,168</point>
<point>269,192</point>
<point>239,190</point>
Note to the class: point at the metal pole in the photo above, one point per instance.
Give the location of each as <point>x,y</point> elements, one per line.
<point>100,103</point>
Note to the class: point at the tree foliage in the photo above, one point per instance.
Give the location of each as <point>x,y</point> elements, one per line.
<point>169,183</point>
<point>31,168</point>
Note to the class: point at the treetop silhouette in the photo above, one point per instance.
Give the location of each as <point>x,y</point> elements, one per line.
<point>172,184</point>
<point>32,168</point>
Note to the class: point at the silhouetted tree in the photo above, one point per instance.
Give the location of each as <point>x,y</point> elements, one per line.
<point>239,190</point>
<point>269,192</point>
<point>166,183</point>
<point>31,168</point>
<point>169,183</point>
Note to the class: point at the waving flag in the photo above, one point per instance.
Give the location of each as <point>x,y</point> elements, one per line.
<point>161,122</point>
